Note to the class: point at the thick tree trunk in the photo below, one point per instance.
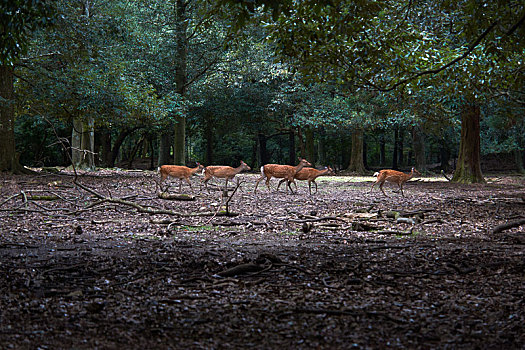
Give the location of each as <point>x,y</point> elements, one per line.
<point>83,143</point>
<point>181,78</point>
<point>179,146</point>
<point>309,145</point>
<point>8,157</point>
<point>164,149</point>
<point>356,153</point>
<point>262,155</point>
<point>468,169</point>
<point>105,147</point>
<point>418,145</point>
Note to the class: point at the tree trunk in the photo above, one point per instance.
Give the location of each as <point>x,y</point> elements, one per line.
<point>179,146</point>
<point>309,145</point>
<point>208,135</point>
<point>518,158</point>
<point>356,153</point>
<point>262,156</point>
<point>365,150</point>
<point>418,145</point>
<point>83,143</point>
<point>382,149</point>
<point>321,149</point>
<point>468,169</point>
<point>181,78</point>
<point>444,156</point>
<point>105,147</point>
<point>400,150</point>
<point>8,156</point>
<point>88,144</point>
<point>164,149</point>
<point>76,141</point>
<point>292,156</point>
<point>396,143</point>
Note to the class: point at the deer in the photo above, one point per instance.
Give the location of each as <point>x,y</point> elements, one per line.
<point>179,172</point>
<point>222,172</point>
<point>285,172</point>
<point>309,174</point>
<point>394,176</point>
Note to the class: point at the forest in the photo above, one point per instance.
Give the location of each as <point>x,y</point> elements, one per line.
<point>262,173</point>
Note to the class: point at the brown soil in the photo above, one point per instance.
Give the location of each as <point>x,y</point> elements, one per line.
<point>84,272</point>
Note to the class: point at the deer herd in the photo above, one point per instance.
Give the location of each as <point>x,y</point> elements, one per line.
<point>302,171</point>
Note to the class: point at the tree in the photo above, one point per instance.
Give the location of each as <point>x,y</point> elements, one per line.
<point>18,19</point>
<point>387,45</point>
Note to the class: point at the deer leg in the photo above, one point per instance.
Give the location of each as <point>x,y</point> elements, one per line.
<point>315,183</point>
<point>295,183</point>
<point>268,183</point>
<point>289,185</point>
<point>257,184</point>
<point>280,183</point>
<point>401,189</point>
<point>381,188</point>
<point>189,183</point>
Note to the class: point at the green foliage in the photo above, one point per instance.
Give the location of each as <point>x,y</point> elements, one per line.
<point>36,139</point>
<point>18,18</point>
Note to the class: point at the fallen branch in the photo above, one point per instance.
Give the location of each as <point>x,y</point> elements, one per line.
<point>508,225</point>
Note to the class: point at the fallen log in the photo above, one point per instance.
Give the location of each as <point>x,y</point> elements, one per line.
<point>175,196</point>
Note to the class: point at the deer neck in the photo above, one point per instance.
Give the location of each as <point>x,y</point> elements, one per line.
<point>298,167</point>
<point>194,170</point>
<point>238,169</point>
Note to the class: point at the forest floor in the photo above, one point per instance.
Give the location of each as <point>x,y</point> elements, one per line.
<point>101,262</point>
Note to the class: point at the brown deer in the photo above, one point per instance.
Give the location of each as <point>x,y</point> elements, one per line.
<point>309,174</point>
<point>286,172</point>
<point>179,172</point>
<point>393,176</point>
<point>222,172</point>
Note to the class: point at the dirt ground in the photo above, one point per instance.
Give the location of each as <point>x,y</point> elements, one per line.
<point>106,264</point>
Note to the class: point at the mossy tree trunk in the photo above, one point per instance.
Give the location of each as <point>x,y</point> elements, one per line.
<point>468,168</point>
<point>356,154</point>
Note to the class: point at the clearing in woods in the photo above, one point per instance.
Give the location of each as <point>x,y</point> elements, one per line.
<point>110,264</point>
